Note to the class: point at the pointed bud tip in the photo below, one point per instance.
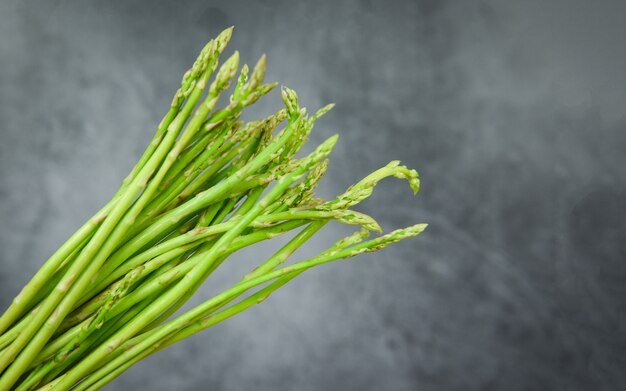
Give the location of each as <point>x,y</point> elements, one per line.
<point>374,227</point>
<point>226,34</point>
<point>223,38</point>
<point>332,140</point>
<point>322,151</point>
<point>321,112</point>
<point>417,228</point>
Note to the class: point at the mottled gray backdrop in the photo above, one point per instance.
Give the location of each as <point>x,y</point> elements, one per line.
<point>512,111</point>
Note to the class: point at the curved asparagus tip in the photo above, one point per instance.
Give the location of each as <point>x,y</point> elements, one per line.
<point>363,189</point>
<point>402,172</point>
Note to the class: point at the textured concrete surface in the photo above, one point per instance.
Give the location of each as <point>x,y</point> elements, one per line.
<point>512,111</point>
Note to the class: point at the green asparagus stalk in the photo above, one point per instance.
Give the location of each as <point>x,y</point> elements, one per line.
<point>207,185</point>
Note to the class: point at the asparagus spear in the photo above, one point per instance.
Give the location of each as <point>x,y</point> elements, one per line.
<point>207,185</point>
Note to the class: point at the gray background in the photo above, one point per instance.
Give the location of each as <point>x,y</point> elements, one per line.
<point>512,111</point>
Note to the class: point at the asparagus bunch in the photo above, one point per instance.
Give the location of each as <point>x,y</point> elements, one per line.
<point>207,185</point>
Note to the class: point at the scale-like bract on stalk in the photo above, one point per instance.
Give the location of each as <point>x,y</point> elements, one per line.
<point>207,185</point>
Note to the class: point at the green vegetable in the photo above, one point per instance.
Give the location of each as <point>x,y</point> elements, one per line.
<point>206,186</point>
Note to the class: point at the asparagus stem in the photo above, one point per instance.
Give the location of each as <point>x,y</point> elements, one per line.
<point>99,379</point>
<point>207,185</point>
<point>180,324</point>
<point>206,197</point>
<point>196,274</point>
<point>23,300</point>
<point>43,274</point>
<point>277,258</point>
<point>38,331</point>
